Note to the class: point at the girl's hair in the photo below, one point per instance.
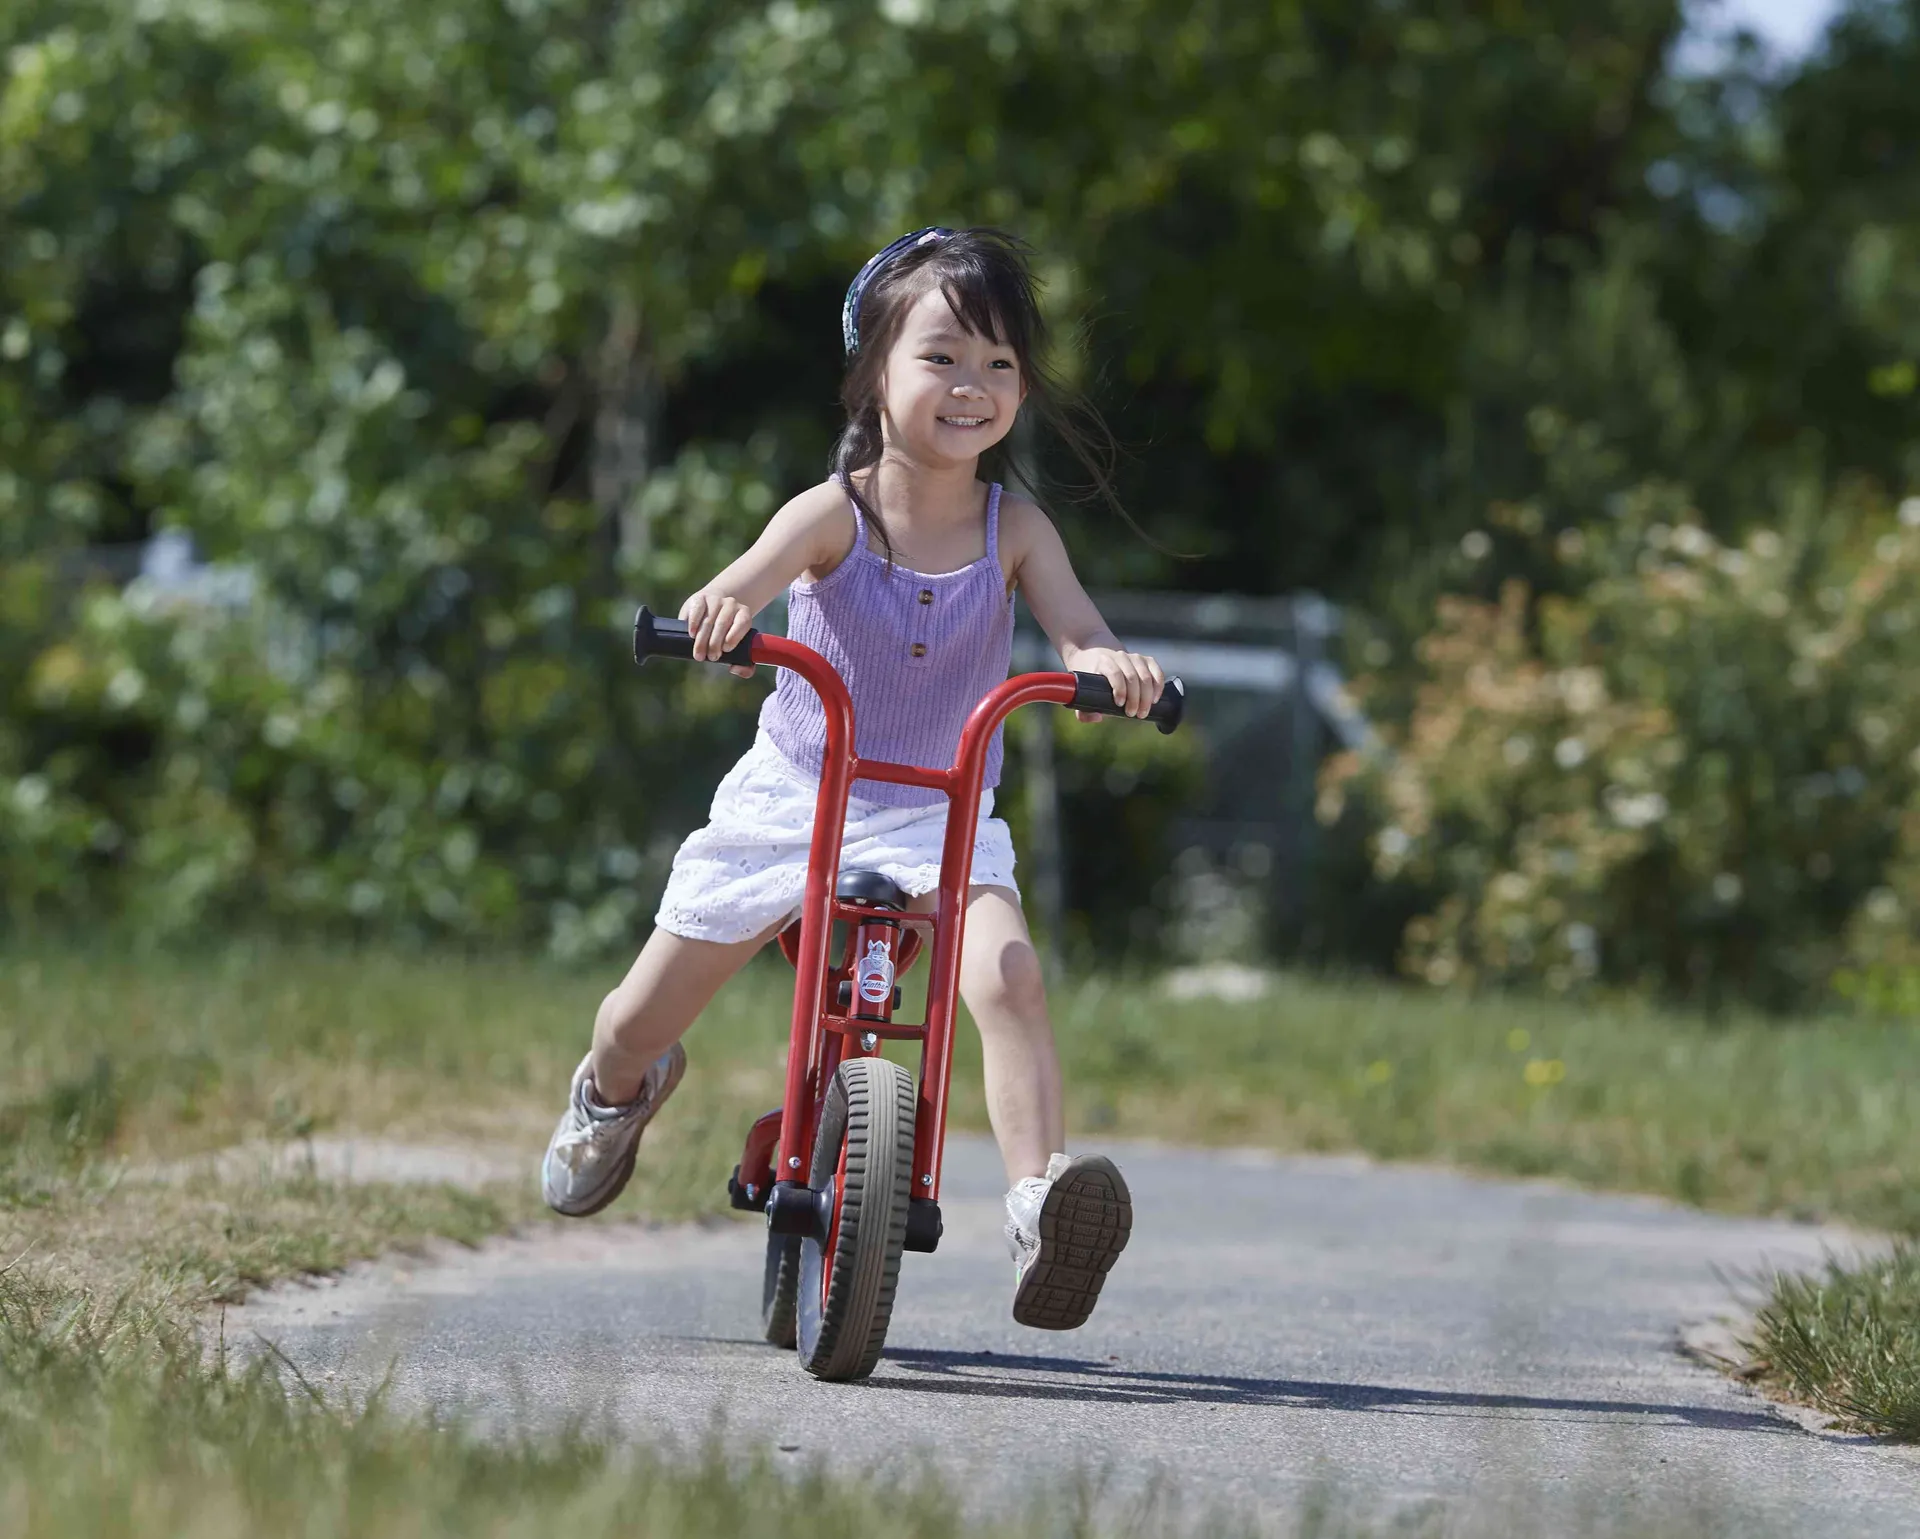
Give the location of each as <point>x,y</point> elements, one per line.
<point>985,275</point>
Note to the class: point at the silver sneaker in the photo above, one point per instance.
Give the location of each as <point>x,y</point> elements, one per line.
<point>591,1155</point>
<point>1065,1230</point>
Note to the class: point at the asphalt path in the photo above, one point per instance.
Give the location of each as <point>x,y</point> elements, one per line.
<point>1280,1329</point>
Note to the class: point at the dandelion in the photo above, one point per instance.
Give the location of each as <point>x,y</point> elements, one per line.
<point>1519,1040</point>
<point>1379,1072</point>
<point>1542,1072</point>
<point>1569,753</point>
<point>1476,545</point>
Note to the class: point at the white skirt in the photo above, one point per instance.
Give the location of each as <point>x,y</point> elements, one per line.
<point>746,871</point>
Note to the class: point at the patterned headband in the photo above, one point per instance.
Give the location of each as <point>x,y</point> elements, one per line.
<point>876,264</point>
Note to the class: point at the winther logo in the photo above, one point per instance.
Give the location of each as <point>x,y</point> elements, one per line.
<point>875,973</point>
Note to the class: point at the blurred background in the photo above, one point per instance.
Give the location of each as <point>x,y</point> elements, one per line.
<point>1532,393</point>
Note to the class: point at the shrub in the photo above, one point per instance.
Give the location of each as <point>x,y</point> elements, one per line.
<point>1674,763</point>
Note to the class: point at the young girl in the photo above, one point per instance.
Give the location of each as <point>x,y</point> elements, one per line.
<point>901,570</point>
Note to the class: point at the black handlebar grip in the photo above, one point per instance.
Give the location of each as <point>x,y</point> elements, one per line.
<point>657,637</point>
<point>1094,693</point>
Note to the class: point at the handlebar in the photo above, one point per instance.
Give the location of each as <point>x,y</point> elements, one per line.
<point>657,637</point>
<point>1094,693</point>
<point>654,636</point>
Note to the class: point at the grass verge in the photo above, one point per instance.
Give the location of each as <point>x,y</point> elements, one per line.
<point>131,1059</point>
<point>1847,1341</point>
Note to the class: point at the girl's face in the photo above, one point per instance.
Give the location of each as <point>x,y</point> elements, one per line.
<point>947,394</point>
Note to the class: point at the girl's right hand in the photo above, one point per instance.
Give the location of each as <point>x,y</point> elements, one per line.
<point>717,623</point>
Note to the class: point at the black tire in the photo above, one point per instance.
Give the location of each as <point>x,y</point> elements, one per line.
<point>779,1289</point>
<point>845,1299</point>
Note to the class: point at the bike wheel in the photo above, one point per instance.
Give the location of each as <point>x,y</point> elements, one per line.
<point>863,1159</point>
<point>780,1289</point>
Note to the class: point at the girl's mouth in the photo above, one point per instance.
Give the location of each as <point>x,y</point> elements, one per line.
<point>966,422</point>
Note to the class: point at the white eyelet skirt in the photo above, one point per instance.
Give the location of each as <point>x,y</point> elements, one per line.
<point>746,871</point>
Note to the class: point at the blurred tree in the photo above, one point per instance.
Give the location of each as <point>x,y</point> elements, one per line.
<point>463,324</point>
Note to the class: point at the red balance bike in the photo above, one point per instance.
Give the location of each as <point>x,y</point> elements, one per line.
<point>848,1169</point>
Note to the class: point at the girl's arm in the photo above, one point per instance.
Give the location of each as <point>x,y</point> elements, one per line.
<point>1037,563</point>
<point>810,532</point>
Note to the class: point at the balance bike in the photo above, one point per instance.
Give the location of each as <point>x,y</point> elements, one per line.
<point>847,1170</point>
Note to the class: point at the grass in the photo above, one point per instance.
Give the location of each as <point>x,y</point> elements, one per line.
<point>136,1059</point>
<point>1848,1342</point>
<point>120,1067</point>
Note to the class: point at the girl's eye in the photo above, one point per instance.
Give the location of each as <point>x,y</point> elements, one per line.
<point>938,358</point>
<point>1003,363</point>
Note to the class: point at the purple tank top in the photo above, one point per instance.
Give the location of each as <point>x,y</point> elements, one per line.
<point>917,649</point>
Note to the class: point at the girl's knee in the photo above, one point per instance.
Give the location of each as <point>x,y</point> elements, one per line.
<point>1012,988</point>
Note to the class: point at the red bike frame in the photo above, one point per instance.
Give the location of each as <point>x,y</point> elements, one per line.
<point>820,1037</point>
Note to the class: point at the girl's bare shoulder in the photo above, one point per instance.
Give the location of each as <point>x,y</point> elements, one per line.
<point>821,518</point>
<point>1023,526</point>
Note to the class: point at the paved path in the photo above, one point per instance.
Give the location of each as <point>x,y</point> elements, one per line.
<point>1405,1334</point>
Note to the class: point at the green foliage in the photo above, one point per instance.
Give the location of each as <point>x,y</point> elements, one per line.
<point>1688,768</point>
<point>463,326</point>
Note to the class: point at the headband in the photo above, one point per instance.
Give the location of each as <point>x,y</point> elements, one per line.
<point>876,264</point>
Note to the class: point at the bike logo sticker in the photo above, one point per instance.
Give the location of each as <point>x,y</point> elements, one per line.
<point>875,973</point>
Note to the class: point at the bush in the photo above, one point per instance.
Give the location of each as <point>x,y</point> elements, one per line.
<point>1689,769</point>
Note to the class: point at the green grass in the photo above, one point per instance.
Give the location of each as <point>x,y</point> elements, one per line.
<point>131,1059</point>
<point>1848,1342</point>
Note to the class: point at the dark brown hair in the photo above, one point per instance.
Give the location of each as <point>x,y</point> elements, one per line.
<point>986,277</point>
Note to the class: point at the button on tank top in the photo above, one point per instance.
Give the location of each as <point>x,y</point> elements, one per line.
<point>918,650</point>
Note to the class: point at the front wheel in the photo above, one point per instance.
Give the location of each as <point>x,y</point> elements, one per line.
<point>863,1159</point>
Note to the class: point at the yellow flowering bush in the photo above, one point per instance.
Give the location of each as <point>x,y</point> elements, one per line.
<point>1671,761</point>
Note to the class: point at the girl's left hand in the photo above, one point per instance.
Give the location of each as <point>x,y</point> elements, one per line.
<point>1135,677</point>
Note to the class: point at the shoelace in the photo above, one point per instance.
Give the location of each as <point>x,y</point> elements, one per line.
<point>573,1147</point>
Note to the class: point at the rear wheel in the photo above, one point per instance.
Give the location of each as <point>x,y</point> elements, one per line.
<point>863,1160</point>
<point>779,1289</point>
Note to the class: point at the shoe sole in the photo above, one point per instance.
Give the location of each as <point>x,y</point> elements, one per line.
<point>1085,1221</point>
<point>676,1070</point>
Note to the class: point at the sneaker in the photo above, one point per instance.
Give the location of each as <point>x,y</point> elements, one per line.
<point>1065,1230</point>
<point>591,1155</point>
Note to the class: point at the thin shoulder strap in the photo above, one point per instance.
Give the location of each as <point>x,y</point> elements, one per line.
<point>859,523</point>
<point>993,523</point>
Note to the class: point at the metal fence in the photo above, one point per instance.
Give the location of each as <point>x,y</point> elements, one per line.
<point>1265,700</point>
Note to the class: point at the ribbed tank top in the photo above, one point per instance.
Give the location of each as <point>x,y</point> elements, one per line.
<point>918,650</point>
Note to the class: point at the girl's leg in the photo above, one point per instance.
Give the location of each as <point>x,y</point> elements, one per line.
<point>670,983</point>
<point>635,1063</point>
<point>1002,984</point>
<point>1067,1219</point>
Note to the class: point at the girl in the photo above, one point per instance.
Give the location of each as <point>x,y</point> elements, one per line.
<point>902,569</point>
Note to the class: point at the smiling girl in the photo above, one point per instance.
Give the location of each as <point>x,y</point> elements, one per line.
<point>901,570</point>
